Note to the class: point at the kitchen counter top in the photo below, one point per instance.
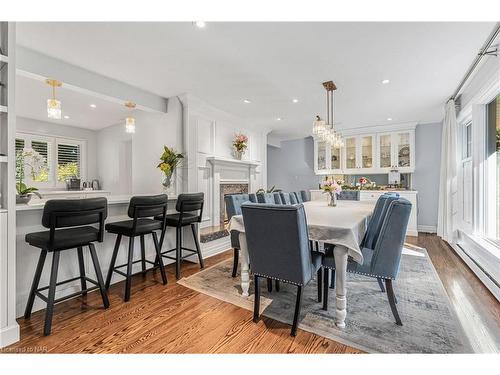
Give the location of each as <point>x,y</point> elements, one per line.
<point>38,204</point>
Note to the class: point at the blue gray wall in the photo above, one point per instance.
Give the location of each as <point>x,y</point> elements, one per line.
<point>427,169</point>
<point>291,167</point>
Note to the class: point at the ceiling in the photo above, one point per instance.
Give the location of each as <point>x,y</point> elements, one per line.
<point>31,102</point>
<point>272,63</point>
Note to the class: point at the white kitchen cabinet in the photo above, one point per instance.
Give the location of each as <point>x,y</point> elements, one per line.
<point>396,150</point>
<point>386,148</point>
<point>327,158</point>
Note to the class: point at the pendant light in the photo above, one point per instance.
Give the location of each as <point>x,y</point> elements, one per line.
<point>129,120</point>
<point>53,105</point>
<point>325,129</point>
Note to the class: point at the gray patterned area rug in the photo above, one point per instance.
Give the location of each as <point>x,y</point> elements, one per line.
<point>429,322</point>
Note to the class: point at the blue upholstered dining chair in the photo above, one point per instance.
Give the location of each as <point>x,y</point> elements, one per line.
<point>305,197</point>
<point>298,197</point>
<point>381,259</point>
<point>348,195</point>
<point>233,207</point>
<point>285,198</point>
<point>265,198</point>
<point>278,246</point>
<point>277,198</point>
<point>372,231</point>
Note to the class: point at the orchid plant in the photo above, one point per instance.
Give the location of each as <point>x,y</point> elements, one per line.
<point>29,159</point>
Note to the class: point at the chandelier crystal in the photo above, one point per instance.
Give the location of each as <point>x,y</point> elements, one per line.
<point>53,105</point>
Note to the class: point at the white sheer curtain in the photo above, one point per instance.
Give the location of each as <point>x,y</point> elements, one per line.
<point>448,177</point>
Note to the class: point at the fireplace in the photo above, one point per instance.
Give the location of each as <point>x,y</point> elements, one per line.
<point>229,189</point>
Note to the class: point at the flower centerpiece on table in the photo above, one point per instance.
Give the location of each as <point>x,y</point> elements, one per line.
<point>28,159</point>
<point>332,188</point>
<point>169,160</point>
<point>239,145</point>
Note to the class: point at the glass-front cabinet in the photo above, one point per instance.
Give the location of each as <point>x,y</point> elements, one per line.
<point>321,157</point>
<point>367,146</point>
<point>327,158</point>
<point>378,152</point>
<point>396,151</point>
<point>385,151</point>
<point>403,150</point>
<point>351,153</point>
<point>335,159</point>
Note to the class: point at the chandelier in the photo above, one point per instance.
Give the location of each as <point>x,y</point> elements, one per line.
<point>129,120</point>
<point>53,105</point>
<point>325,129</point>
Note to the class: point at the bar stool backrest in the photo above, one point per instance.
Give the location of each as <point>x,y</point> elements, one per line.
<point>148,206</point>
<point>190,202</point>
<point>63,213</point>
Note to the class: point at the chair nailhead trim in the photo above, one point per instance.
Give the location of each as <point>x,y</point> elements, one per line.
<point>275,278</point>
<point>365,274</point>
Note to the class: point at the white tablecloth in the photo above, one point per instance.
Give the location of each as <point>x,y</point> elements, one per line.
<point>343,225</point>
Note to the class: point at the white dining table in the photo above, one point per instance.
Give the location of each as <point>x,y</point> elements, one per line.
<point>343,225</point>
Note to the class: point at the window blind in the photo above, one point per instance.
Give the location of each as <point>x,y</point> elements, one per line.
<point>68,161</point>
<point>19,169</point>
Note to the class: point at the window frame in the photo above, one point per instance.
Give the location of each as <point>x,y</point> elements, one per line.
<point>54,141</point>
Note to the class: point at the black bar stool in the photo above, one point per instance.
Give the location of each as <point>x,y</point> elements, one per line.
<point>190,210</point>
<point>140,209</point>
<point>75,215</point>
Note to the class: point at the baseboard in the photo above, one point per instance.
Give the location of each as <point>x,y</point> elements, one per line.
<point>412,233</point>
<point>9,335</point>
<point>427,228</point>
<point>492,287</point>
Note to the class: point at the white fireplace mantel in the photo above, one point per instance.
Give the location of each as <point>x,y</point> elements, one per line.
<point>221,160</point>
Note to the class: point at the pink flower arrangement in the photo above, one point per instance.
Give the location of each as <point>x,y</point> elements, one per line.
<point>331,186</point>
<point>240,142</point>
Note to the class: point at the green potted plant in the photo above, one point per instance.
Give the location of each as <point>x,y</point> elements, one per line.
<point>169,160</point>
<point>32,160</point>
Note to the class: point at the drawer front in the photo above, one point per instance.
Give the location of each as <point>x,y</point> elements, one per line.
<point>369,195</point>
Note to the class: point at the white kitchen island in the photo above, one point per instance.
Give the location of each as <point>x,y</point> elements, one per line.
<point>29,218</point>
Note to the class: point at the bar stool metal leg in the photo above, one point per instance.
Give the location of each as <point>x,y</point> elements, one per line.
<point>36,281</point>
<point>160,260</point>
<point>128,280</point>
<point>178,252</point>
<point>195,235</point>
<point>143,255</point>
<point>113,261</point>
<point>52,294</point>
<point>81,265</point>
<point>98,274</point>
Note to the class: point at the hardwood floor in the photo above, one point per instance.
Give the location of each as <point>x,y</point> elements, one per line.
<point>174,319</point>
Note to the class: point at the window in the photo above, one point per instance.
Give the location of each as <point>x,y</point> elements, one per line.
<point>68,161</point>
<point>467,148</point>
<point>493,160</point>
<point>62,158</point>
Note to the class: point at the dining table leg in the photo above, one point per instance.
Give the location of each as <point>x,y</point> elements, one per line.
<point>244,265</point>
<point>340,253</point>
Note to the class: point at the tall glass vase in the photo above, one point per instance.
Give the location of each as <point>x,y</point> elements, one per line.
<point>169,184</point>
<point>332,199</point>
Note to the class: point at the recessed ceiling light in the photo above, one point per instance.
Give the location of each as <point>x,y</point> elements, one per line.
<point>389,118</point>
<point>246,101</point>
<point>66,117</point>
<point>200,24</point>
<point>295,100</point>
<point>93,106</point>
<point>278,118</point>
<point>385,81</point>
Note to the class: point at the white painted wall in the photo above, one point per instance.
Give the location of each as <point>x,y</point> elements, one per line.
<point>51,129</point>
<point>127,162</point>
